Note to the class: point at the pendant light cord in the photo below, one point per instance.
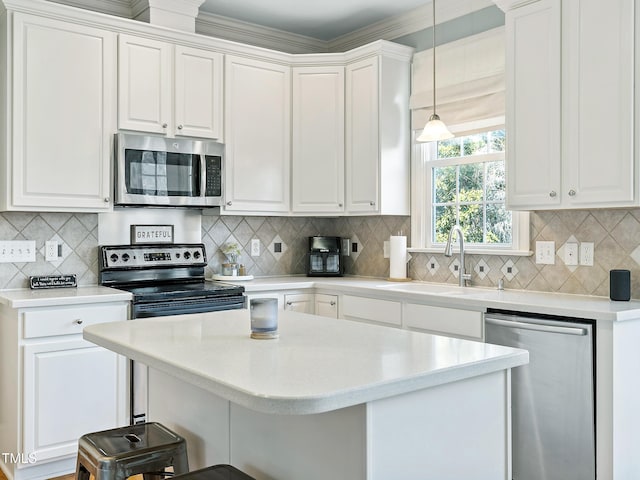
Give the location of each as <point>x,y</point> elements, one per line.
<point>433,5</point>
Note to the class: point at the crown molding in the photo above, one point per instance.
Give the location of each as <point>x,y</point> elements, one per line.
<point>245,32</point>
<point>506,5</point>
<point>407,23</point>
<point>118,8</point>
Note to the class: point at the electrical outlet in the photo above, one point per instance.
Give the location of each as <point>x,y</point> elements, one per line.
<point>17,251</point>
<point>586,254</point>
<point>255,247</point>
<point>571,253</point>
<point>546,253</point>
<point>51,250</point>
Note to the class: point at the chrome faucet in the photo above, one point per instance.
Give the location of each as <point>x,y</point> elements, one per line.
<point>463,277</point>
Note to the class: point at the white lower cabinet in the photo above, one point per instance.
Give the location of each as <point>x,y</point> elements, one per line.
<point>60,386</point>
<point>451,322</point>
<point>326,305</point>
<point>375,310</point>
<point>300,302</point>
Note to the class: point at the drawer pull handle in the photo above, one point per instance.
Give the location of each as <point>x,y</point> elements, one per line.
<point>78,322</point>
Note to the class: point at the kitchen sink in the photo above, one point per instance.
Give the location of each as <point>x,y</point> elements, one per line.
<point>435,289</point>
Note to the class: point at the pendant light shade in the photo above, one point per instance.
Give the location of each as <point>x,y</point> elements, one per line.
<point>435,129</point>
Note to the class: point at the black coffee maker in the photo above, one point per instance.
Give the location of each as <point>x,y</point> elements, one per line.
<point>325,257</point>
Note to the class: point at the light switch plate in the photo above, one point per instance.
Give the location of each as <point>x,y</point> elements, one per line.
<point>17,251</point>
<point>546,252</point>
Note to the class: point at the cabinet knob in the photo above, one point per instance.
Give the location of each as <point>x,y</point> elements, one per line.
<point>78,321</point>
<point>333,304</point>
<point>179,127</point>
<point>572,193</point>
<point>229,204</point>
<point>372,203</point>
<point>553,194</point>
<point>289,304</point>
<point>164,125</point>
<point>340,205</point>
<point>107,199</point>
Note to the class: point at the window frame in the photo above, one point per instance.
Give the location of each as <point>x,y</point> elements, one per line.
<point>422,206</point>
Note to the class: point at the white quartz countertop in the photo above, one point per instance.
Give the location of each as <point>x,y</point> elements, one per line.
<point>49,297</point>
<point>453,296</point>
<point>317,364</point>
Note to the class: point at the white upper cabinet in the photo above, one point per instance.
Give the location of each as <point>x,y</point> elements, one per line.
<point>169,90</point>
<point>57,134</point>
<point>570,104</point>
<point>258,136</point>
<point>318,139</point>
<point>533,125</point>
<point>377,135</point>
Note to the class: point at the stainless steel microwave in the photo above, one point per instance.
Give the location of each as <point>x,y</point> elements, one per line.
<point>168,172</point>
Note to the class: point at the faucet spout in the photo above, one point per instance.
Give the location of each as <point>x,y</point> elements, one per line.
<point>463,277</point>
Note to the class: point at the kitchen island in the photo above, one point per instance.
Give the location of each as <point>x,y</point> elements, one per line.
<point>328,399</point>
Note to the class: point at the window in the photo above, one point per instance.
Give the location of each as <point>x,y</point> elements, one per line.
<point>462,181</point>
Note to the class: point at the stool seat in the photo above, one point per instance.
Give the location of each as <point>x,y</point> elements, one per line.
<point>215,472</point>
<point>118,453</point>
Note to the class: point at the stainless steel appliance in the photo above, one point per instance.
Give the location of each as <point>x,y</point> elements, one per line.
<point>168,172</point>
<point>553,397</point>
<point>325,257</point>
<point>164,280</point>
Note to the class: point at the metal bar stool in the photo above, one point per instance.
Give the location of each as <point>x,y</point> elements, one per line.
<point>216,472</point>
<point>119,453</point>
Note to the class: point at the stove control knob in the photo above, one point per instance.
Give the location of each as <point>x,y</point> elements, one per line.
<point>114,257</point>
<point>196,255</point>
<point>187,255</point>
<point>125,257</point>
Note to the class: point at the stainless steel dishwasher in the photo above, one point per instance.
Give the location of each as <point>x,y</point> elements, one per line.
<point>553,399</point>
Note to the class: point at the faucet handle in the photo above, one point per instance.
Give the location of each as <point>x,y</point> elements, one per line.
<point>466,278</point>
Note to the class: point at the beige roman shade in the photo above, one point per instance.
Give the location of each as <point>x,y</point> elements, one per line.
<point>470,83</point>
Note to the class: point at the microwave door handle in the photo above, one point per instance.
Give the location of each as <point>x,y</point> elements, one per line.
<point>203,175</point>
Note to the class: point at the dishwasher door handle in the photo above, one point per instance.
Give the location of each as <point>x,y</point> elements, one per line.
<point>537,327</point>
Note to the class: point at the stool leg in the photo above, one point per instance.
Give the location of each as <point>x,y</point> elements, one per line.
<point>181,463</point>
<point>81,472</point>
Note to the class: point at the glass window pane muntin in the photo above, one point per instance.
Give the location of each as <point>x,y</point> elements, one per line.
<point>477,203</point>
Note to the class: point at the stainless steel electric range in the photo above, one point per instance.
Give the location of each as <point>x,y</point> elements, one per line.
<point>164,280</point>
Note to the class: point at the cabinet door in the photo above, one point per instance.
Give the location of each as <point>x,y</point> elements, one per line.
<point>258,136</point>
<point>71,388</point>
<point>533,161</point>
<point>598,102</point>
<point>299,302</point>
<point>318,139</point>
<point>198,93</point>
<point>144,85</point>
<point>326,305</point>
<point>64,79</point>
<point>387,312</point>
<point>362,136</point>
<point>452,322</point>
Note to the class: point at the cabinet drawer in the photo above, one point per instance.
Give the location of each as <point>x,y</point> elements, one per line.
<point>381,311</point>
<point>46,322</point>
<point>446,321</point>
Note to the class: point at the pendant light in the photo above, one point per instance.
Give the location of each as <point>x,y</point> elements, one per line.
<point>435,129</point>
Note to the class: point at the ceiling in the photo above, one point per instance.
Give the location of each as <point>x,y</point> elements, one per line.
<point>321,19</point>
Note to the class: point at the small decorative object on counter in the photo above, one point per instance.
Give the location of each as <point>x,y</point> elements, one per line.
<point>242,270</point>
<point>232,252</point>
<point>264,318</point>
<point>53,281</point>
<point>620,285</point>
<point>230,269</point>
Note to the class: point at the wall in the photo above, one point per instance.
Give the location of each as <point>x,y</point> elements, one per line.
<point>77,233</point>
<point>615,232</point>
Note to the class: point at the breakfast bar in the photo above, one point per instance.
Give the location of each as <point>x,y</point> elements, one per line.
<point>327,399</point>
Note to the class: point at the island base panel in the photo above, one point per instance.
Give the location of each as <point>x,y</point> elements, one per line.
<point>452,431</point>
